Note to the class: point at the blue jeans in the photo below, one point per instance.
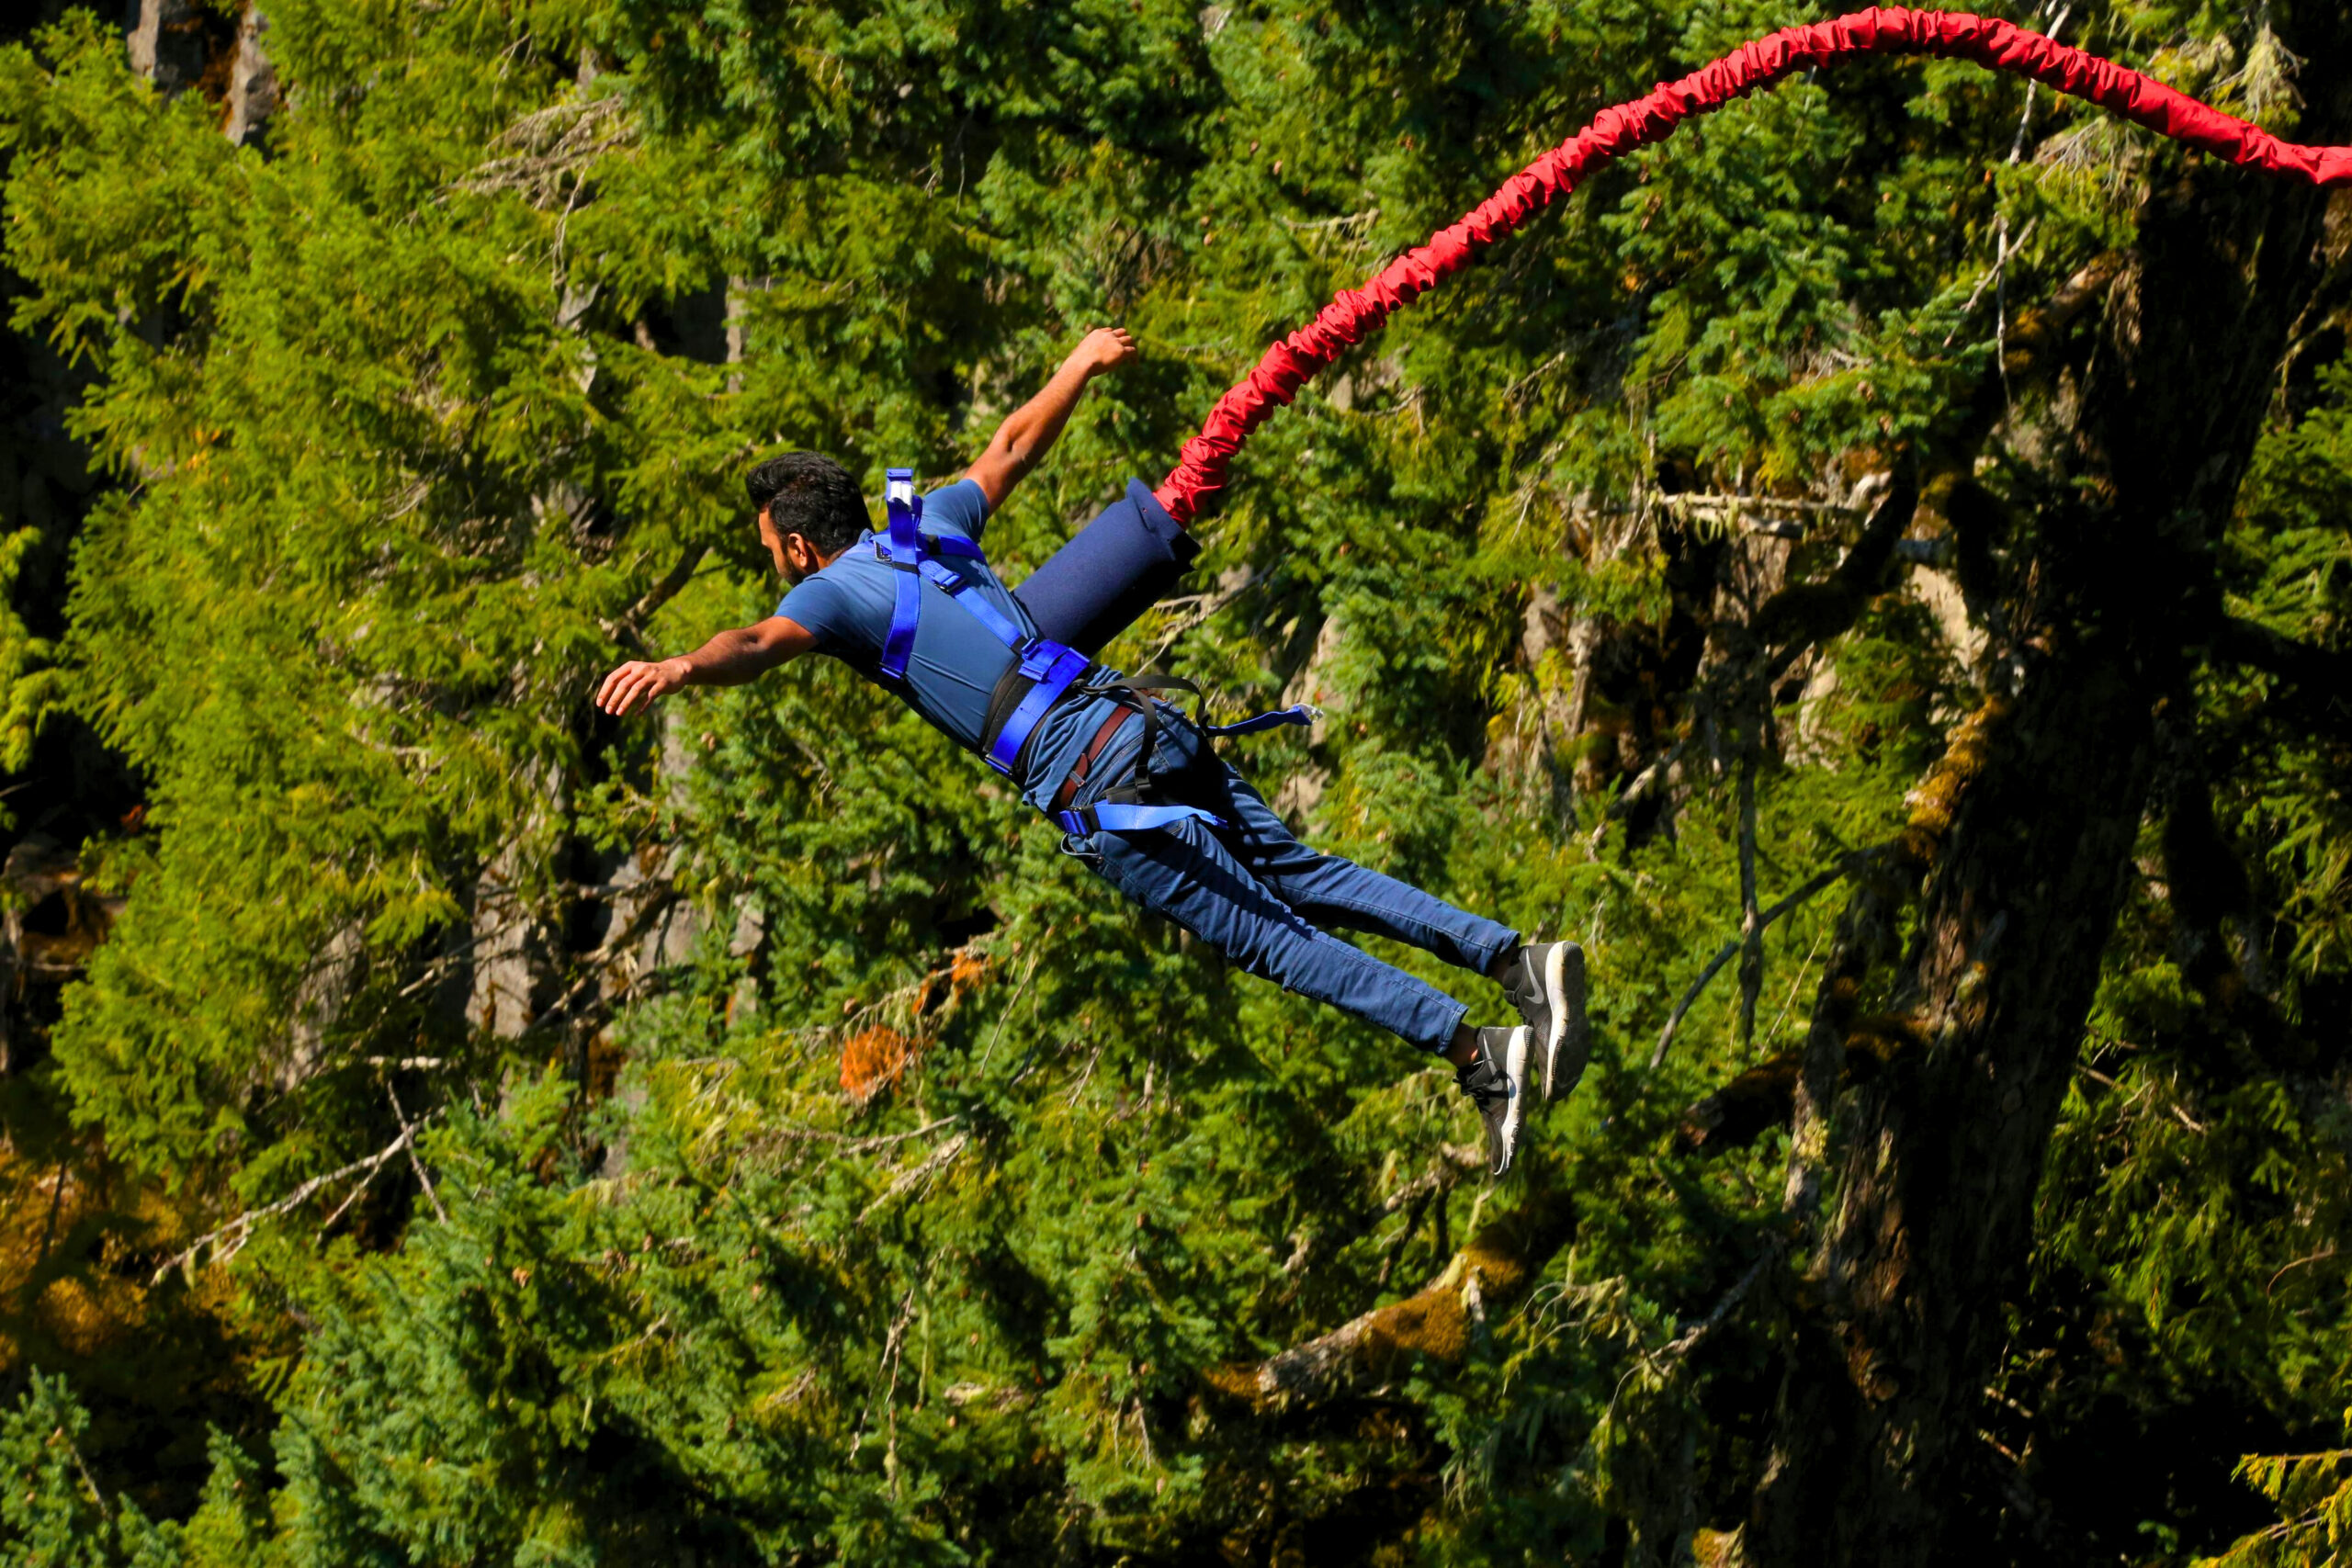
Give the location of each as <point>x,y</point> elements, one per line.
<point>1258,895</point>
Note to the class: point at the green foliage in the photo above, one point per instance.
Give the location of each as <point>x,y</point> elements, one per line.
<point>417,421</point>
<point>2313,1491</point>
<point>51,1511</point>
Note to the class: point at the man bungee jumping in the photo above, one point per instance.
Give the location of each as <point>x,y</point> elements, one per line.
<point>1130,780</point>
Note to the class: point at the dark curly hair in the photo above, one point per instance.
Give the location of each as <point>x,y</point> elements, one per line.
<point>809,495</point>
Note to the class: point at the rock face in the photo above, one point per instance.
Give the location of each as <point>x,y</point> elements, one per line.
<point>51,921</point>
<point>177,45</point>
<point>167,43</point>
<point>252,83</point>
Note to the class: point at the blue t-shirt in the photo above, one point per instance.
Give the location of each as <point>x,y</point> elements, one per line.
<point>957,660</point>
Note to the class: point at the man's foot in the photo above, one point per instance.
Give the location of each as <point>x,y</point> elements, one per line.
<point>1545,982</point>
<point>1493,1083</point>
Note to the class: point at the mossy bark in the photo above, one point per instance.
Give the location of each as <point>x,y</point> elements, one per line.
<point>2024,837</point>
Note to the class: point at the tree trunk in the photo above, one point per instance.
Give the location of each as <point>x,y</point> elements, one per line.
<point>1937,1160</point>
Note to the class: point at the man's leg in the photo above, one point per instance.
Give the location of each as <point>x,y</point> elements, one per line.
<point>1185,873</point>
<point>1544,982</point>
<point>1332,891</point>
<point>1188,875</point>
<point>1192,875</point>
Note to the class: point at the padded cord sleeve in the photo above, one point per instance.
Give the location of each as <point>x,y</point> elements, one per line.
<point>1354,313</point>
<point>1111,572</point>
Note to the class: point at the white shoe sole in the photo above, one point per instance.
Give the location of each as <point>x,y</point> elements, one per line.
<point>1514,1066</point>
<point>1564,996</point>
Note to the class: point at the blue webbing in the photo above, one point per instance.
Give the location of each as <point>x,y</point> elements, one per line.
<point>946,582</point>
<point>1116,817</point>
<point>905,556</point>
<point>1050,667</point>
<point>1305,713</point>
<point>1053,667</point>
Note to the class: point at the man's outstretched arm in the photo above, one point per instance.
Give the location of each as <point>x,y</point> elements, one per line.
<point>728,659</point>
<point>1022,440</point>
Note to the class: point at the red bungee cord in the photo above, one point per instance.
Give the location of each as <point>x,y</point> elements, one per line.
<point>1998,45</point>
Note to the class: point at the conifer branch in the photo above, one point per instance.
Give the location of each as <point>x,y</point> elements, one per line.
<point>2321,672</point>
<point>630,628</point>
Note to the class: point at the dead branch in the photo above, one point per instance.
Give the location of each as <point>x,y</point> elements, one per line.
<point>1764,1096</point>
<point>593,965</point>
<point>1692,1337</point>
<point>407,1137</point>
<point>83,1465</point>
<point>1440,1179</point>
<point>1196,609</point>
<point>848,1144</point>
<point>1804,614</point>
<point>551,145</point>
<point>239,1229</point>
<point>1847,866</point>
<point>1751,925</point>
<point>1799,617</point>
<point>917,1175</point>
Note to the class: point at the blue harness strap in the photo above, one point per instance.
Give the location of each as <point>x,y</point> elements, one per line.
<point>1051,667</point>
<point>905,555</point>
<point>1305,713</point>
<point>1120,817</point>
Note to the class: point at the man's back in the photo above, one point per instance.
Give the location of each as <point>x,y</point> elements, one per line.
<point>956,662</point>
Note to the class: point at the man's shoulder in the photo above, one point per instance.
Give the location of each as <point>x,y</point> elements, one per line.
<point>961,509</point>
<point>834,593</point>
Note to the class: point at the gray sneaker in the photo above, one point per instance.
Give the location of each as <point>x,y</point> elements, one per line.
<point>1546,984</point>
<point>1493,1083</point>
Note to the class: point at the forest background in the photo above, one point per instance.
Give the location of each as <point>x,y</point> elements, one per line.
<point>1872,569</point>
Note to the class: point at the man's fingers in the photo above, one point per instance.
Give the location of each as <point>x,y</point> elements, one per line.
<point>629,688</point>
<point>1113,346</point>
<point>614,697</point>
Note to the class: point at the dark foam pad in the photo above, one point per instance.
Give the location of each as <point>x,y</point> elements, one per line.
<point>1112,570</point>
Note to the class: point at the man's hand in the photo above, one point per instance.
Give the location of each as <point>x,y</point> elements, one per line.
<point>728,659</point>
<point>1104,348</point>
<point>636,684</point>
<point>1024,437</point>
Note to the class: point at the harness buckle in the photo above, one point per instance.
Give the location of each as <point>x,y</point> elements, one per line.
<point>1038,658</point>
